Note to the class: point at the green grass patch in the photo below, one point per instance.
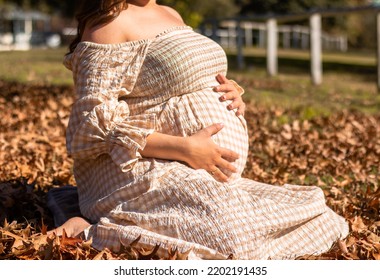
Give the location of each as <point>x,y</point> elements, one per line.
<point>299,60</point>
<point>40,66</point>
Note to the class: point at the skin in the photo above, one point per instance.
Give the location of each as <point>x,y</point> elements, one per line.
<point>198,150</point>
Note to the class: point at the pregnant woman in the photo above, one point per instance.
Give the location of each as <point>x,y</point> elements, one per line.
<point>158,157</point>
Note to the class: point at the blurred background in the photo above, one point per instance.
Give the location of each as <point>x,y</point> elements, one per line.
<point>348,31</point>
<point>39,19</point>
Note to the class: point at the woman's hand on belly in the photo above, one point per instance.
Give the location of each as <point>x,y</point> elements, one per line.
<point>232,92</point>
<point>203,153</point>
<point>199,151</point>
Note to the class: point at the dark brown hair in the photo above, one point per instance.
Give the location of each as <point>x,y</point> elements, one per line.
<point>96,12</point>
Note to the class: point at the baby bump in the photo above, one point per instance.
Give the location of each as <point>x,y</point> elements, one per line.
<point>187,114</point>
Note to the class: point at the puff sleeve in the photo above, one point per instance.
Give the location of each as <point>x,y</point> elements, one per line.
<point>99,122</point>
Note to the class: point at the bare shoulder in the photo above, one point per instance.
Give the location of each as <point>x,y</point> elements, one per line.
<point>173,12</point>
<point>110,33</point>
<point>123,27</point>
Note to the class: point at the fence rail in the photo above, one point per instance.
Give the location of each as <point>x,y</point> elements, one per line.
<point>269,25</point>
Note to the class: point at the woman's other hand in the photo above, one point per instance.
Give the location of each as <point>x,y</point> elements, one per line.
<point>232,91</point>
<point>203,153</point>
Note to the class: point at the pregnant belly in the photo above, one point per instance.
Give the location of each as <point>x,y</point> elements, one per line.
<point>187,114</point>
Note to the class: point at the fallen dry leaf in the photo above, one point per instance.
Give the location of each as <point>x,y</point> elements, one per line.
<point>339,152</point>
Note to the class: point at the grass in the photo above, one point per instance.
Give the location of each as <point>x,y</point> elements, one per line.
<point>296,60</point>
<point>40,66</point>
<point>349,80</point>
<point>295,92</point>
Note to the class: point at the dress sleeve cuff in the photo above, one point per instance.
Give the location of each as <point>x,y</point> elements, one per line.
<point>126,139</point>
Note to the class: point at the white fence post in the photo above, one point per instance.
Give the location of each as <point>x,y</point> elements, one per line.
<point>316,48</point>
<point>272,44</point>
<point>239,45</point>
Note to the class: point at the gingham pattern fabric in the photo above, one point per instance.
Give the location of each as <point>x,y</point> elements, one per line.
<point>126,92</point>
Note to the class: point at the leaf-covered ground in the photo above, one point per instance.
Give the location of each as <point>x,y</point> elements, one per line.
<point>339,152</point>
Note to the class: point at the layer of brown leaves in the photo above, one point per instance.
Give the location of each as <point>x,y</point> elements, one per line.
<point>340,153</point>
<point>32,128</point>
<point>25,243</point>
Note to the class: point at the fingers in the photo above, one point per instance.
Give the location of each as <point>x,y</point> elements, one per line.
<point>223,152</point>
<point>229,155</point>
<point>231,91</point>
<point>213,129</point>
<point>206,154</point>
<point>219,175</point>
<point>223,172</point>
<point>224,168</point>
<point>222,79</point>
<point>241,110</point>
<point>228,89</point>
<point>225,85</point>
<point>237,103</point>
<point>229,95</point>
<point>234,104</point>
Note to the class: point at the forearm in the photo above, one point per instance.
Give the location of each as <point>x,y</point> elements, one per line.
<point>165,146</point>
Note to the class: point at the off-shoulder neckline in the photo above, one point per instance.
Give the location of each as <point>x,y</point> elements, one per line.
<point>134,42</point>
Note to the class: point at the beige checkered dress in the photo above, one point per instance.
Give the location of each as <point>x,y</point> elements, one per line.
<point>127,91</point>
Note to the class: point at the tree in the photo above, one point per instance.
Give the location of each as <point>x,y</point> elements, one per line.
<point>287,6</point>
<point>195,11</point>
<point>65,8</point>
